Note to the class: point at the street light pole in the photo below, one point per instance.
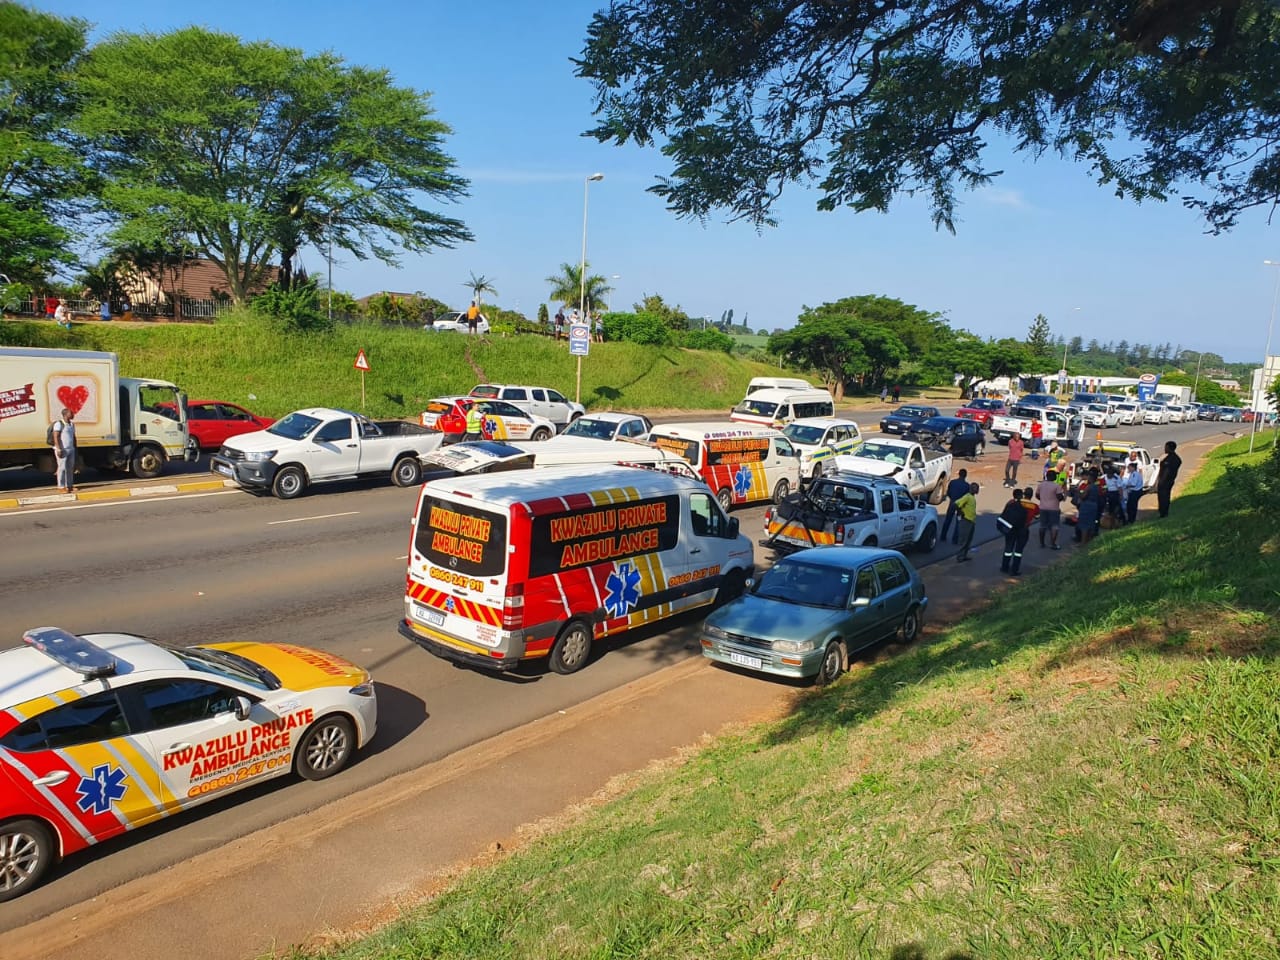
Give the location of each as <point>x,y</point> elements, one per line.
<point>1195,387</point>
<point>582,278</point>
<point>1265,355</point>
<point>330,232</point>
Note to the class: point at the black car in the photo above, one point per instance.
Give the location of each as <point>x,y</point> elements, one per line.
<point>902,419</point>
<point>964,438</point>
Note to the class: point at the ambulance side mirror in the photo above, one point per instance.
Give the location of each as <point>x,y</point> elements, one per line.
<point>243,705</point>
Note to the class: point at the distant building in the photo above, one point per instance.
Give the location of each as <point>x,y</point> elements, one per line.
<point>1233,385</point>
<point>193,278</point>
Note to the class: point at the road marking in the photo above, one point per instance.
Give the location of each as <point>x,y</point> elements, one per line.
<point>405,557</point>
<point>323,516</point>
<point>123,501</point>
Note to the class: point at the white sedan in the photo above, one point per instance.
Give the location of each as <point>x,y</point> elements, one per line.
<point>1177,413</point>
<point>1101,415</point>
<point>456,323</point>
<point>1155,413</point>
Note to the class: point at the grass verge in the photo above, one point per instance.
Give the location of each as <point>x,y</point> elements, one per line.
<point>244,360</point>
<point>1086,768</point>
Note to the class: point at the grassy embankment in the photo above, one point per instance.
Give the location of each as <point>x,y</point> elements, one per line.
<point>240,356</point>
<point>1086,768</point>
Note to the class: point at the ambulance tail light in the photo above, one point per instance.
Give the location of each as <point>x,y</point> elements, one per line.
<point>768,517</point>
<point>513,607</point>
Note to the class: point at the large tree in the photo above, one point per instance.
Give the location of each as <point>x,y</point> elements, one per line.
<point>567,287</point>
<point>871,99</point>
<point>247,151</point>
<point>39,168</point>
<point>974,360</point>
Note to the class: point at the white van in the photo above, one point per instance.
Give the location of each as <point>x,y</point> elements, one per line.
<point>777,383</point>
<point>775,407</point>
<point>741,464</point>
<point>510,567</point>
<point>495,456</point>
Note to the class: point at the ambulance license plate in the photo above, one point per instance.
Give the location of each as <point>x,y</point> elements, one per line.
<point>745,661</point>
<point>428,615</point>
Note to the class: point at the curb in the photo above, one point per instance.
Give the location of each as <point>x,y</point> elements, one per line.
<point>124,493</point>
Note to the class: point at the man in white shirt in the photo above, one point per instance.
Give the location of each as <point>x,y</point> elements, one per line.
<point>64,451</point>
<point>1133,491</point>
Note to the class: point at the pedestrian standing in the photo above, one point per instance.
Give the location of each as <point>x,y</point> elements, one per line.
<point>64,451</point>
<point>956,489</point>
<point>104,310</point>
<point>1115,495</point>
<point>1050,494</point>
<point>897,392</point>
<point>475,423</point>
<point>1133,490</point>
<point>1024,536</point>
<point>1037,437</point>
<point>599,327</point>
<point>473,317</point>
<point>884,392</point>
<point>559,322</point>
<point>967,508</point>
<point>126,309</point>
<point>51,307</point>
<point>1089,499</point>
<point>1011,522</point>
<point>1168,473</point>
<point>1015,458</point>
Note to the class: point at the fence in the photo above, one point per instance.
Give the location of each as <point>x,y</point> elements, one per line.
<point>189,309</point>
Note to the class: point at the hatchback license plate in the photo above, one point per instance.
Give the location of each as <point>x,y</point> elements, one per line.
<point>222,469</point>
<point>745,661</point>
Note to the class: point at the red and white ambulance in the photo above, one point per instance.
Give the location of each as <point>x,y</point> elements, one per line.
<point>528,564</point>
<point>739,462</point>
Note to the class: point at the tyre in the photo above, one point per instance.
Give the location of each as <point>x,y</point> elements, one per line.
<point>26,853</point>
<point>572,648</point>
<point>871,542</point>
<point>542,433</point>
<point>731,588</point>
<point>725,496</point>
<point>289,483</point>
<point>929,539</point>
<point>939,491</point>
<point>910,629</point>
<point>325,748</point>
<point>832,664</point>
<point>147,462</point>
<point>406,472</point>
<point>781,490</point>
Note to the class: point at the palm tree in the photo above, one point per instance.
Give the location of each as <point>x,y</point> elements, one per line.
<point>567,287</point>
<point>479,286</point>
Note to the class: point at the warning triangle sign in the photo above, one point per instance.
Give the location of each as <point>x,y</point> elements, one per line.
<point>362,362</point>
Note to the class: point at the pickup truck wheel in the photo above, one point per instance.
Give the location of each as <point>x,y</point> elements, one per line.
<point>147,462</point>
<point>289,483</point>
<point>929,539</point>
<point>939,491</point>
<point>911,625</point>
<point>325,748</point>
<point>832,664</point>
<point>26,852</point>
<point>406,472</point>
<point>725,496</point>
<point>781,490</point>
<point>572,648</point>
<point>871,542</point>
<point>542,433</point>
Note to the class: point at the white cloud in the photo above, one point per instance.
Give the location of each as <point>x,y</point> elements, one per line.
<point>1004,197</point>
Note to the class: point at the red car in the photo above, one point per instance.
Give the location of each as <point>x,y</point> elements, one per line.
<point>982,410</point>
<point>213,421</point>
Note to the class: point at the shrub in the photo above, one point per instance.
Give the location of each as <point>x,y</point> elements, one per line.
<point>707,340</point>
<point>647,328</point>
<point>298,309</point>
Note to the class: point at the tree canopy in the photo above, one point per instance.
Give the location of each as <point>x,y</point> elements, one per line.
<point>870,100</point>
<point>39,167</point>
<point>242,151</point>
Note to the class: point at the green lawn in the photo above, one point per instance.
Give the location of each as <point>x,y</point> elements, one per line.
<point>1085,769</point>
<point>241,359</point>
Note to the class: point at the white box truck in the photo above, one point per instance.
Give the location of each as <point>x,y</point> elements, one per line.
<point>122,423</point>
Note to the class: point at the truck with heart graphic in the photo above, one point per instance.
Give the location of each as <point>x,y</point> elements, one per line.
<point>128,424</point>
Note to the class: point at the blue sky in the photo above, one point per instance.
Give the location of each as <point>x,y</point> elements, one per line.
<point>1043,239</point>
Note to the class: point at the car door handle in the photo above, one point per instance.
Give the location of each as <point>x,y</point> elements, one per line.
<point>695,549</point>
<point>175,747</point>
<point>352,445</point>
<point>52,779</point>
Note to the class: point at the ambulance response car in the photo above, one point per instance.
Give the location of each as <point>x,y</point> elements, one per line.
<point>106,732</point>
<point>514,566</point>
<point>740,463</point>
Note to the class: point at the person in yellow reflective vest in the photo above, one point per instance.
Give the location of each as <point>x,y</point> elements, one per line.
<point>475,418</point>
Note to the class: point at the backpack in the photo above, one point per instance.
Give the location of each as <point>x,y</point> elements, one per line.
<point>48,435</point>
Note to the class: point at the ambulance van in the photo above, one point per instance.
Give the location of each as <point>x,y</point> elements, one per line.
<point>739,462</point>
<point>516,566</point>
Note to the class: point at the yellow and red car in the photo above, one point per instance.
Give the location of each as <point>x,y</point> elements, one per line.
<point>106,732</point>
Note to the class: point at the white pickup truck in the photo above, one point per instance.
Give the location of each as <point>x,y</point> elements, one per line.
<point>320,444</point>
<point>1121,454</point>
<point>847,510</point>
<point>923,472</point>
<point>1056,423</point>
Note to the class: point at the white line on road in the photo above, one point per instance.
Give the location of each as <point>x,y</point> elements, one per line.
<point>323,516</point>
<point>405,557</point>
<point>123,501</point>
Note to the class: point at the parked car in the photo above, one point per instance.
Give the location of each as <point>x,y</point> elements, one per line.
<point>982,410</point>
<point>807,613</point>
<point>455,322</point>
<point>1129,413</point>
<point>1101,415</point>
<point>211,422</point>
<point>1229,414</point>
<point>1155,413</point>
<point>819,440</point>
<point>1177,412</point>
<point>923,472</point>
<point>499,420</point>
<point>540,401</point>
<point>102,733</point>
<point>1038,400</point>
<point>964,438</point>
<point>903,417</point>
<point>1208,411</point>
<point>610,426</point>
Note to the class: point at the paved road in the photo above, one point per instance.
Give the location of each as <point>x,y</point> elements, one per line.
<point>326,570</point>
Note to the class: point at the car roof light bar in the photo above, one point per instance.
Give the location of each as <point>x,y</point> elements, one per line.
<point>72,651</point>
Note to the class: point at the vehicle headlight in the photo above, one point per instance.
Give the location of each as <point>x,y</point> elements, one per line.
<point>257,456</point>
<point>715,633</point>
<point>793,646</point>
<point>363,690</point>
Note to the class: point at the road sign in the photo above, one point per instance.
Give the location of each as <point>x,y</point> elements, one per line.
<point>362,362</point>
<point>579,339</point>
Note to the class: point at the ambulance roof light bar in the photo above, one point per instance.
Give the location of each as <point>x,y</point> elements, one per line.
<point>72,651</point>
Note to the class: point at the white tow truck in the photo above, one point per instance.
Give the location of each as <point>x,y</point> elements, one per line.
<point>922,471</point>
<point>843,509</point>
